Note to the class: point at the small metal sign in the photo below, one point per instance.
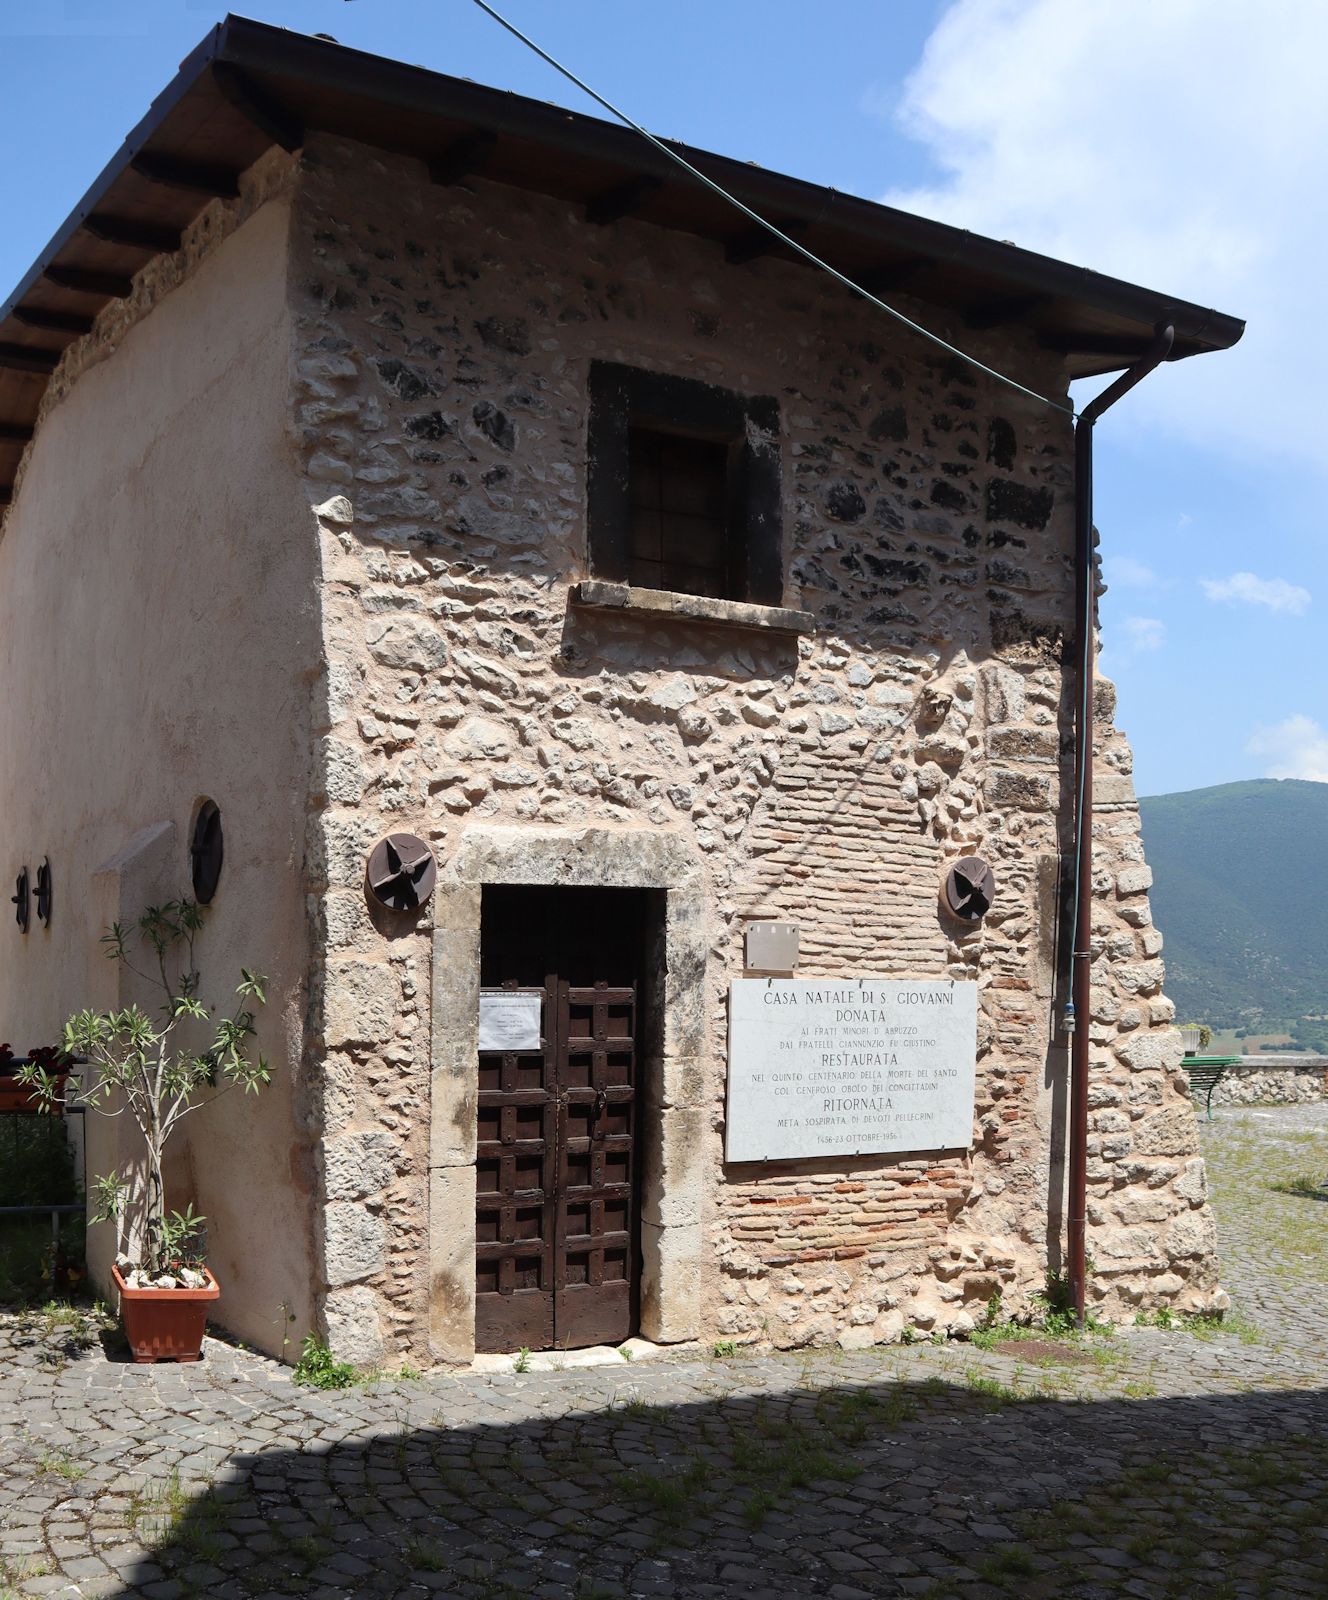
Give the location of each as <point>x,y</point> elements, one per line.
<point>772,947</point>
<point>510,1019</point>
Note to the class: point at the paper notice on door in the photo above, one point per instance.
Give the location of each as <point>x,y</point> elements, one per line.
<point>509,1019</point>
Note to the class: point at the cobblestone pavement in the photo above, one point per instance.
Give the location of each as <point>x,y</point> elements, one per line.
<point>1155,1463</point>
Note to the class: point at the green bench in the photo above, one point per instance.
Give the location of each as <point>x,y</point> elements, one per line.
<point>1205,1073</point>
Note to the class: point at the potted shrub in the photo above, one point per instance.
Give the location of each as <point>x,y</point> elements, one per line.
<point>157,1069</point>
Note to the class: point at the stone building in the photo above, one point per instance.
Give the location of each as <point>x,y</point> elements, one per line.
<point>387,455</point>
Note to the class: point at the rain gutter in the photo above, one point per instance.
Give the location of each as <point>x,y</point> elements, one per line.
<point>1078,1011</point>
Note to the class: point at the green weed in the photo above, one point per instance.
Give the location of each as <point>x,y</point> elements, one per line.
<point>318,1368</point>
<point>1303,1185</point>
<point>990,1391</point>
<point>424,1556</point>
<point>667,1496</point>
<point>58,1462</point>
<point>1012,1561</point>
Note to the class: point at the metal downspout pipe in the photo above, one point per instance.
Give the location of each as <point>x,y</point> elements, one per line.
<point>1078,1012</point>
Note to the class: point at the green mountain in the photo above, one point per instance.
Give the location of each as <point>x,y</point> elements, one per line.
<point>1240,892</point>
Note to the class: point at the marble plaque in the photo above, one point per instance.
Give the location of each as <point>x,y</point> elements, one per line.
<point>509,1019</point>
<point>856,1066</point>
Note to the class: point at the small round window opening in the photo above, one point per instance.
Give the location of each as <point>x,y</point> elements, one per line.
<point>206,850</point>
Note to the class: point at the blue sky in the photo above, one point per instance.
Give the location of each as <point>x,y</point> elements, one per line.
<point>1178,143</point>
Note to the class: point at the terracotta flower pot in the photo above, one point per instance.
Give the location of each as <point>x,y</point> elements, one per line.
<point>165,1324</point>
<point>15,1097</point>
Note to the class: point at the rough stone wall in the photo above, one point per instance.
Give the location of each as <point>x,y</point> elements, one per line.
<point>1271,1085</point>
<point>1150,1231</point>
<point>444,336</point>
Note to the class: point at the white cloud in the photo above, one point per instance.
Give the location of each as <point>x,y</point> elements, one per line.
<point>1124,572</point>
<point>1141,634</point>
<point>1175,143</point>
<point>1243,588</point>
<point>1296,748</point>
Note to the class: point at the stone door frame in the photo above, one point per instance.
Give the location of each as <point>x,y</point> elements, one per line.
<point>675,1142</point>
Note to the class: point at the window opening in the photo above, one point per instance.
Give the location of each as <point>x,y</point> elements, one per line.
<point>678,493</point>
<point>684,486</point>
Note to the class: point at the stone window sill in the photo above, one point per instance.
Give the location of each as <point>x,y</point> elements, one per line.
<point>660,603</point>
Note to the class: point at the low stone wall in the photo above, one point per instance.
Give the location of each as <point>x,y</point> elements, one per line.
<point>1273,1083</point>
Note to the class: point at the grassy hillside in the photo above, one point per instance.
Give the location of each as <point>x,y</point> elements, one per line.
<point>1240,893</point>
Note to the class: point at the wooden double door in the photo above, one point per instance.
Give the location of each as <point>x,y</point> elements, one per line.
<point>556,1228</point>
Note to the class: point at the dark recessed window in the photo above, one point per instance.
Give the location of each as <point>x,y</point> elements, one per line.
<point>684,486</point>
<point>678,491</point>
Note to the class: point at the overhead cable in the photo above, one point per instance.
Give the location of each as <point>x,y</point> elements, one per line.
<point>769,226</point>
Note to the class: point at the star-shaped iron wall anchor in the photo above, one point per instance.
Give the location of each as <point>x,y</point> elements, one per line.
<point>401,872</point>
<point>20,900</point>
<point>970,888</point>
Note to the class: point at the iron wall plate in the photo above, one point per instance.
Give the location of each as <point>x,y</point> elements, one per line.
<point>401,872</point>
<point>207,851</point>
<point>21,900</point>
<point>43,892</point>
<point>970,889</point>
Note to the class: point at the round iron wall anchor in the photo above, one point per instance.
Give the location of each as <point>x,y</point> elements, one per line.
<point>970,888</point>
<point>21,900</point>
<point>206,852</point>
<point>43,892</point>
<point>401,872</point>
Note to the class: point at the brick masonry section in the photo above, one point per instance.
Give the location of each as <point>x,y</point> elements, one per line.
<point>439,411</point>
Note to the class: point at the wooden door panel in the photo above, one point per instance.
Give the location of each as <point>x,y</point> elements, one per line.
<point>556,1229</point>
<point>516,1175</point>
<point>594,1245</point>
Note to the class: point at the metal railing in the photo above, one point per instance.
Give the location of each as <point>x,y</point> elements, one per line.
<point>56,1212</point>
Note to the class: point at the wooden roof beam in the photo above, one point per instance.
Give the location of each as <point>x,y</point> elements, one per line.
<point>28,358</point>
<point>893,274</point>
<point>56,321</point>
<point>470,153</point>
<point>109,284</point>
<point>258,107</point>
<point>132,233</point>
<point>6,494</point>
<point>1012,308</point>
<point>195,176</point>
<point>755,242</point>
<point>612,204</point>
<point>15,433</point>
<point>1128,348</point>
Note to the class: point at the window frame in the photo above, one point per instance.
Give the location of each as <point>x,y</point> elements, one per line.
<point>624,398</point>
